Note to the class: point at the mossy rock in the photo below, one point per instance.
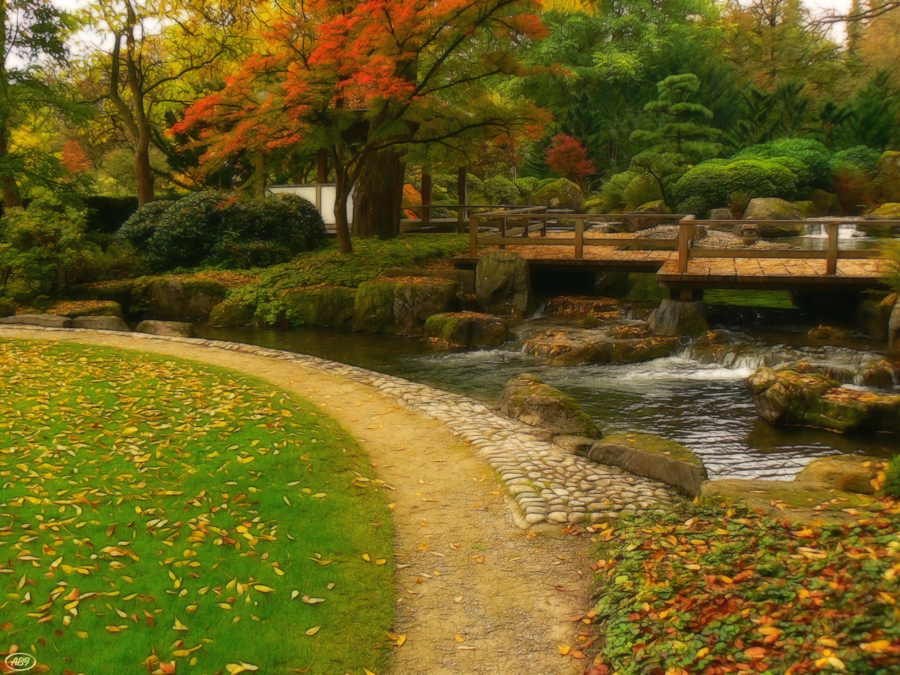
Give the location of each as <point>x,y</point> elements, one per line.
<point>652,457</point>
<point>807,208</point>
<point>618,351</point>
<point>889,175</point>
<point>679,318</point>
<point>401,306</point>
<point>98,308</point>
<point>503,284</point>
<point>596,205</point>
<point>772,208</point>
<point>176,298</point>
<point>850,473</point>
<point>561,193</point>
<point>887,211</point>
<point>796,395</point>
<point>529,399</point>
<point>332,307</point>
<point>44,320</point>
<point>230,314</point>
<point>466,329</point>
<point>7,307</point>
<point>787,500</point>
<point>825,203</point>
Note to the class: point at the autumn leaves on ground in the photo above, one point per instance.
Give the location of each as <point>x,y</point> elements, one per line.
<point>155,513</point>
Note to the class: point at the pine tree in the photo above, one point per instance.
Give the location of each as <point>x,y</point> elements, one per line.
<point>681,135</point>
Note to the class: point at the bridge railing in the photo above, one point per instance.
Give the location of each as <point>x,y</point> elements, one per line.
<point>514,226</point>
<point>688,248</point>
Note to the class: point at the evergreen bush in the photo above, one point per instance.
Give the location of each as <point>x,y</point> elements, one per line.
<point>212,228</point>
<point>716,183</point>
<point>813,154</point>
<point>861,157</point>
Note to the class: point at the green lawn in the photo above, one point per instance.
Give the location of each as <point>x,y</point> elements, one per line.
<point>717,590</point>
<point>155,511</point>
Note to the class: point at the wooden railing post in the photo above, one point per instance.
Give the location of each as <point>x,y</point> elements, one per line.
<point>473,236</point>
<point>502,247</point>
<point>831,258</point>
<point>579,238</point>
<point>544,220</point>
<point>685,242</point>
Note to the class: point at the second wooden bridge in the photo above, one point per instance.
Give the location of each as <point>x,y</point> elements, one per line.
<point>681,264</point>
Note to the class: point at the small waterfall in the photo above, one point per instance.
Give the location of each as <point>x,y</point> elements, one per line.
<point>846,230</point>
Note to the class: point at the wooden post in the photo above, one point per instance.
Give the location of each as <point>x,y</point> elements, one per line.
<point>831,259</point>
<point>685,242</point>
<point>544,219</point>
<point>579,238</point>
<point>473,236</point>
<point>502,247</point>
<point>322,165</point>
<point>425,215</point>
<point>462,193</point>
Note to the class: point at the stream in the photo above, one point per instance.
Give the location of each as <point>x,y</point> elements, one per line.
<point>703,405</point>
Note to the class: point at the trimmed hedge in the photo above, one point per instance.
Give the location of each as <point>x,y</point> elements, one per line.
<point>213,228</point>
<point>813,154</point>
<point>861,157</point>
<point>716,183</point>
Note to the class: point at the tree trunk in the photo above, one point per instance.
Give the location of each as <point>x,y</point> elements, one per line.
<point>142,170</point>
<point>378,195</point>
<point>11,196</point>
<point>341,224</point>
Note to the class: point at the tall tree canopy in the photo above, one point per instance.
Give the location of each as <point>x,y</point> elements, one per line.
<point>371,81</point>
<point>154,48</point>
<point>29,29</point>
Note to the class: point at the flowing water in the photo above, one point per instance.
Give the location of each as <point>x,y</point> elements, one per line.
<point>703,405</point>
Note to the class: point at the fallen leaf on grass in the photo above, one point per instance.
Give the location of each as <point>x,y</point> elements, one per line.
<point>313,630</point>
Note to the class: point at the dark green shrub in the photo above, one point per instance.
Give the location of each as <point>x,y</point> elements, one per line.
<point>717,183</point>
<point>613,191</point>
<point>892,479</point>
<point>500,190</point>
<point>212,228</point>
<point>107,214</point>
<point>861,157</point>
<point>814,155</point>
<point>45,248</point>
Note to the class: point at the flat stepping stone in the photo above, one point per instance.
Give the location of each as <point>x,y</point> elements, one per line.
<point>167,328</point>
<point>101,323</point>
<point>45,320</point>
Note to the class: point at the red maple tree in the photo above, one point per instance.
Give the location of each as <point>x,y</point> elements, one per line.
<point>568,156</point>
<point>372,82</point>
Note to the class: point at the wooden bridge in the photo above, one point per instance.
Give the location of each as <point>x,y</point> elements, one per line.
<point>681,264</point>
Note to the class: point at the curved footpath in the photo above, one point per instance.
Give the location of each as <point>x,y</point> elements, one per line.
<point>474,594</point>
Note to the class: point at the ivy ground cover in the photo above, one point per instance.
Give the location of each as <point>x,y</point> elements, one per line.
<point>717,590</point>
<point>158,516</point>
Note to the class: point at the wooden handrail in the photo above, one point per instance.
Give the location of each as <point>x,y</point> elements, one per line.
<point>685,241</point>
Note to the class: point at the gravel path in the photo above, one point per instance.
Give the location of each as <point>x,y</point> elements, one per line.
<point>458,555</point>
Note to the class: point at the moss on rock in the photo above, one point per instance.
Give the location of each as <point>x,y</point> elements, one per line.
<point>332,306</point>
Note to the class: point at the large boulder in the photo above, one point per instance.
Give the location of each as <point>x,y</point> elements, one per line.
<point>332,307</point>
<point>889,175</point>
<point>529,399</point>
<point>95,308</point>
<point>561,193</point>
<point>872,319</point>
<point>401,306</point>
<point>115,323</point>
<point>167,328</point>
<point>679,317</point>
<point>887,211</point>
<point>771,208</point>
<point>45,320</point>
<point>894,329</point>
<point>503,284</point>
<point>466,329</point>
<point>795,395</point>
<point>231,314</point>
<point>850,473</point>
<point>617,344</point>
<point>825,203</point>
<point>657,206</point>
<point>7,307</point>
<point>652,457</point>
<point>175,298</point>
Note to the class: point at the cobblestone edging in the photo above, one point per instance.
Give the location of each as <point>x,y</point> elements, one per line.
<point>548,484</point>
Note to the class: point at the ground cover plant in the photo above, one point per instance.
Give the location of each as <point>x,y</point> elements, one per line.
<point>714,590</point>
<point>160,516</point>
